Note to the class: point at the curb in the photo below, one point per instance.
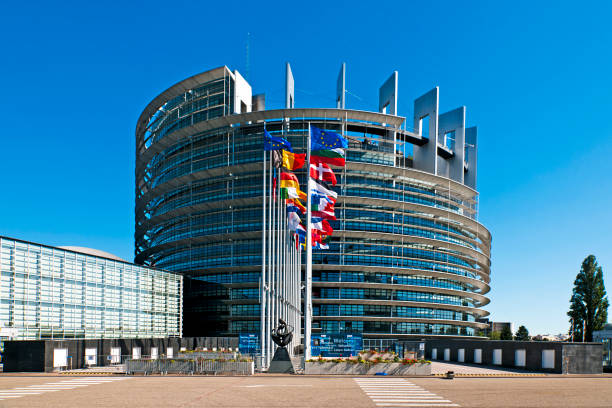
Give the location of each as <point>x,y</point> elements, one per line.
<point>494,375</point>
<point>90,373</point>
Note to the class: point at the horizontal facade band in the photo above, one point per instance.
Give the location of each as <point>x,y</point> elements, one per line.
<point>401,320</point>
<point>146,223</point>
<point>146,154</point>
<point>482,285</point>
<point>482,300</point>
<point>186,179</point>
<point>408,303</point>
<point>477,257</point>
<point>473,226</point>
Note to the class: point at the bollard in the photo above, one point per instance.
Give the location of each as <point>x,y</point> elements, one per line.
<point>450,375</point>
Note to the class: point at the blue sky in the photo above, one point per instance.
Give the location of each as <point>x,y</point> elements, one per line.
<point>535,78</point>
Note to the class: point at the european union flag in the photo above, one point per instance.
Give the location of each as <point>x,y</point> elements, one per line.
<point>275,143</point>
<point>326,139</point>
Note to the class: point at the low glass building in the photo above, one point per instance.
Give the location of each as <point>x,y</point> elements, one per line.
<point>408,257</point>
<point>64,293</point>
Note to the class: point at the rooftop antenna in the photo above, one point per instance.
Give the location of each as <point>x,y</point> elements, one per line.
<point>248,62</point>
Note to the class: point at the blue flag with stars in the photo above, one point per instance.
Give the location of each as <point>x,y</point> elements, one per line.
<point>275,143</point>
<point>326,139</point>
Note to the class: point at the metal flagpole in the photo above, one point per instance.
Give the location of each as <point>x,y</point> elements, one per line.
<point>262,279</point>
<point>269,288</point>
<point>272,267</point>
<point>278,253</point>
<point>308,292</point>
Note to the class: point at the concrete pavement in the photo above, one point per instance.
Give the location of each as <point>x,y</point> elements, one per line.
<point>269,391</point>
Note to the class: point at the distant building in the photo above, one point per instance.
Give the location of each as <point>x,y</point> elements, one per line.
<point>550,337</point>
<point>605,336</point>
<point>73,292</point>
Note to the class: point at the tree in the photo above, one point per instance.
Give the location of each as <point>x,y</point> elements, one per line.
<point>522,334</point>
<point>589,303</point>
<point>506,333</point>
<point>495,335</point>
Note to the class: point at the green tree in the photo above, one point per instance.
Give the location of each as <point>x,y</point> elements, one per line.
<point>506,333</point>
<point>522,334</point>
<point>495,335</point>
<point>589,303</point>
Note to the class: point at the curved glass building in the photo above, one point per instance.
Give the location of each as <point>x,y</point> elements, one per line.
<point>408,257</point>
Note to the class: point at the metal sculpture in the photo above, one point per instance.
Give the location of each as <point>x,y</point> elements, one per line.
<point>282,334</point>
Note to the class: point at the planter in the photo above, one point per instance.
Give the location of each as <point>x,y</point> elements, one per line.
<point>368,369</point>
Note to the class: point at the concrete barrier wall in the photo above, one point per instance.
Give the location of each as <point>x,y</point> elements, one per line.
<point>554,357</point>
<point>37,355</point>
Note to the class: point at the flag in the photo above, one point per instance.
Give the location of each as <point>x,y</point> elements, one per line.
<point>321,225</point>
<point>323,172</point>
<point>320,189</point>
<point>289,180</point>
<point>292,192</point>
<point>275,142</point>
<point>293,161</point>
<point>322,203</point>
<point>274,189</point>
<point>334,157</point>
<point>277,158</point>
<point>301,231</point>
<point>298,204</point>
<point>293,220</point>
<point>319,245</point>
<point>325,139</point>
<point>328,215</point>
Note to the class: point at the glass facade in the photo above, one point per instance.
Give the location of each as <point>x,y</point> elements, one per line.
<point>53,293</point>
<point>407,257</point>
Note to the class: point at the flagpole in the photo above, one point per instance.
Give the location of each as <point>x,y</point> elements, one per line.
<point>278,251</point>
<point>262,279</point>
<point>269,298</point>
<point>308,277</point>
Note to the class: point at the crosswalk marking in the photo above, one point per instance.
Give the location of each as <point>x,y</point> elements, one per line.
<point>67,384</point>
<point>400,393</point>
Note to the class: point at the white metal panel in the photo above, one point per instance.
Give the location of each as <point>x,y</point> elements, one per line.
<point>434,353</point>
<point>169,352</point>
<point>154,353</point>
<point>478,356</point>
<point>497,356</point>
<point>446,354</point>
<point>60,357</point>
<point>90,356</point>
<point>519,358</point>
<point>461,355</point>
<point>548,358</point>
<point>136,352</point>
<point>115,355</point>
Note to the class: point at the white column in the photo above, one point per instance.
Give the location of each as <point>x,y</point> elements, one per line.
<point>262,279</point>
<point>308,292</point>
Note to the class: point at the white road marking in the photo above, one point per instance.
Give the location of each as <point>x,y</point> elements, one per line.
<point>400,393</point>
<point>273,385</point>
<point>68,384</point>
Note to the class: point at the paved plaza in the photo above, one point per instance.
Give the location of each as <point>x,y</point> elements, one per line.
<point>439,367</point>
<point>268,391</point>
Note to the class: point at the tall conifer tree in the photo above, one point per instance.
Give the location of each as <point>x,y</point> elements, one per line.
<point>589,303</point>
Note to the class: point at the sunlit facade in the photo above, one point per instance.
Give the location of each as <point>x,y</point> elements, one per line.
<point>56,293</point>
<point>407,258</point>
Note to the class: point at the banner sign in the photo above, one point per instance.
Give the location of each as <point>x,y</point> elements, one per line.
<point>336,344</point>
<point>248,343</point>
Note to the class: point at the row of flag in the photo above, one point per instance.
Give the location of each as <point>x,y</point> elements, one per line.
<point>327,148</point>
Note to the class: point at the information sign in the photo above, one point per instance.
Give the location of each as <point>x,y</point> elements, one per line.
<point>248,343</point>
<point>336,344</point>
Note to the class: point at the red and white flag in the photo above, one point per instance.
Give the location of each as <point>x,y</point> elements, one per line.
<point>322,172</point>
